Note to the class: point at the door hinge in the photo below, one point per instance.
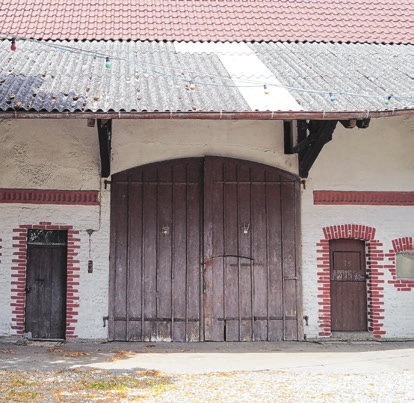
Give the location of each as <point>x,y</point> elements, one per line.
<point>105,319</point>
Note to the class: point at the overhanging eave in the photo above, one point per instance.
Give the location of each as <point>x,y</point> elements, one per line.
<point>267,115</point>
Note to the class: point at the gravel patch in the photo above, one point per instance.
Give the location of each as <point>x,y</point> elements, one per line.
<point>86,385</point>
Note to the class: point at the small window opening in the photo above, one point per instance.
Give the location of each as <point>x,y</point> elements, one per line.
<point>50,237</point>
<point>405,265</point>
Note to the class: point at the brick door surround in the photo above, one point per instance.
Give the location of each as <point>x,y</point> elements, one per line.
<point>375,270</point>
<point>18,274</point>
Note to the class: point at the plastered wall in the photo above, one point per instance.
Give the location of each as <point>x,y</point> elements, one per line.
<point>142,142</point>
<point>375,159</point>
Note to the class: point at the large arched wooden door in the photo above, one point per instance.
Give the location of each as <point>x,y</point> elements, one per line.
<point>205,249</point>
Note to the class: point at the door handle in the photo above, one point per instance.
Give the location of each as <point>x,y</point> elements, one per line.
<point>28,289</point>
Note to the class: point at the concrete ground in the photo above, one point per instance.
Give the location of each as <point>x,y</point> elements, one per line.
<point>333,357</point>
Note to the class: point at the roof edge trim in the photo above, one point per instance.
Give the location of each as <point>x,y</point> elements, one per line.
<point>259,115</point>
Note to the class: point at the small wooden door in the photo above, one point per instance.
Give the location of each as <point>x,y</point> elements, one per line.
<point>348,285</point>
<point>46,289</point>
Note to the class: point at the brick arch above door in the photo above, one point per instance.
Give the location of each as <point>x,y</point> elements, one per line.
<point>375,270</point>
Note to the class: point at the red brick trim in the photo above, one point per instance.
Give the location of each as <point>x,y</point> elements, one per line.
<point>363,198</point>
<point>35,196</point>
<point>18,274</point>
<point>399,245</point>
<point>375,270</point>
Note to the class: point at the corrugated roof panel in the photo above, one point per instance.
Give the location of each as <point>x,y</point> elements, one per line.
<point>359,76</point>
<point>155,76</point>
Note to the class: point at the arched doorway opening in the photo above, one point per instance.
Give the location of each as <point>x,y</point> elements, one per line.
<point>205,249</point>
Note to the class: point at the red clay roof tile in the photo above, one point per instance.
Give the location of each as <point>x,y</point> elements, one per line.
<point>386,21</point>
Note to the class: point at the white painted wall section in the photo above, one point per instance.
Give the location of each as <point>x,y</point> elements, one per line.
<point>375,159</point>
<point>149,141</point>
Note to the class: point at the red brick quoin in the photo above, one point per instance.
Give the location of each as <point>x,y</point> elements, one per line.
<point>18,275</point>
<point>375,270</point>
<point>399,245</point>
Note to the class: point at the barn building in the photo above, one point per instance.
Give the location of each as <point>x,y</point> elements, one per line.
<point>206,170</point>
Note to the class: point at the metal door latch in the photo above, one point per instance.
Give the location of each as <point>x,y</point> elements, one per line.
<point>246,228</point>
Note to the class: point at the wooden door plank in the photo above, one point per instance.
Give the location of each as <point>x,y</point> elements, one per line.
<point>231,298</point>
<point>274,264</point>
<point>276,330</point>
<point>119,253</point>
<point>45,292</point>
<point>150,245</point>
<point>179,254</point>
<point>213,249</point>
<point>164,252</point>
<point>245,232</point>
<point>58,274</point>
<point>260,252</point>
<point>290,314</point>
<point>134,275</point>
<point>230,248</point>
<point>194,307</point>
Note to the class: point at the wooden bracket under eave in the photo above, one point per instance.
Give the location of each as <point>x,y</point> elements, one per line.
<point>312,136</point>
<point>105,137</point>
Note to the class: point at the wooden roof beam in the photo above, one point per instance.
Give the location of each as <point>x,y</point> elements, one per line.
<point>105,145</point>
<point>311,137</point>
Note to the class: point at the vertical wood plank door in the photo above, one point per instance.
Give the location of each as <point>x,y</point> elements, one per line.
<point>155,252</point>
<point>45,316</point>
<point>251,257</point>
<point>348,285</point>
<point>197,252</point>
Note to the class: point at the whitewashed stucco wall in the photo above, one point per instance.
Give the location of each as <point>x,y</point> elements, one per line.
<point>379,158</point>
<point>48,154</point>
<point>145,141</point>
<point>64,155</point>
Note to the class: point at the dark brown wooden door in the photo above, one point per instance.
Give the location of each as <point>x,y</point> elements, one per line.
<point>348,285</point>
<point>46,291</point>
<point>155,252</point>
<point>251,273</point>
<point>197,252</point>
